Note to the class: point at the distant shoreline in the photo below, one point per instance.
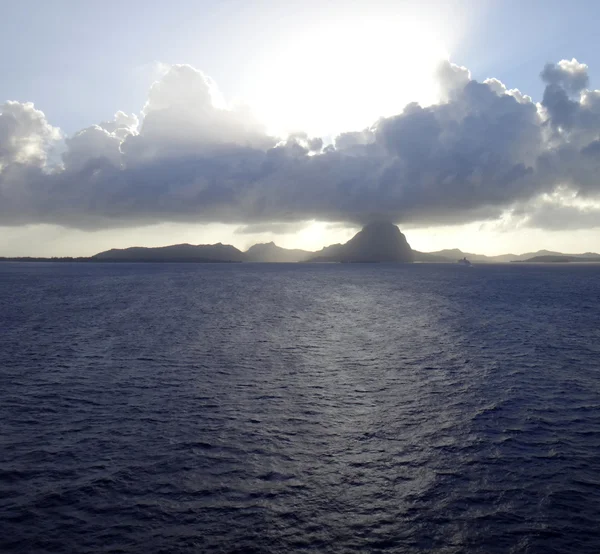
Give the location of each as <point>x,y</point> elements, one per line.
<point>97,261</point>
<point>188,261</point>
<point>376,242</point>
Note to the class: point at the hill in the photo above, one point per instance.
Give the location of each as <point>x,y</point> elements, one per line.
<point>176,253</point>
<point>561,258</point>
<point>375,242</point>
<point>271,253</point>
<point>452,255</point>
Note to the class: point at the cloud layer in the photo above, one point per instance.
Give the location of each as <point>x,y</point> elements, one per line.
<point>481,151</point>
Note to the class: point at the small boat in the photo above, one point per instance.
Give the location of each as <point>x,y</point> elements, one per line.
<point>464,261</point>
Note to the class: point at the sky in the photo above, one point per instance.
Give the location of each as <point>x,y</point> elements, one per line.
<point>472,125</point>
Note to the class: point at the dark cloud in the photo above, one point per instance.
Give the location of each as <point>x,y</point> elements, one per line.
<point>482,150</point>
<point>559,217</point>
<point>277,228</point>
<point>570,76</point>
<point>563,210</point>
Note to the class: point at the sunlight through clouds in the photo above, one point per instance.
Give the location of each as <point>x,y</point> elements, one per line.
<point>344,74</point>
<point>351,118</point>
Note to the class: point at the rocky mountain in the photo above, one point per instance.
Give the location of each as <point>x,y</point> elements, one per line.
<point>375,242</point>
<point>175,253</point>
<point>270,252</point>
<point>455,254</point>
<point>331,253</point>
<point>432,257</point>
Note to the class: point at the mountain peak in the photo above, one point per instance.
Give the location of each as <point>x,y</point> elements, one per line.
<point>378,241</point>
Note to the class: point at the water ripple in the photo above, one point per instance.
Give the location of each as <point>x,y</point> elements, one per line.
<point>337,408</point>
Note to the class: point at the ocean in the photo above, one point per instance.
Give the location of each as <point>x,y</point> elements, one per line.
<point>285,408</point>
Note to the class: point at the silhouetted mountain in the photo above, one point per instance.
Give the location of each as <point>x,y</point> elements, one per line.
<point>375,242</point>
<point>176,253</point>
<point>587,257</point>
<point>270,252</point>
<point>455,254</point>
<point>562,258</point>
<point>331,253</point>
<point>67,259</point>
<point>431,257</point>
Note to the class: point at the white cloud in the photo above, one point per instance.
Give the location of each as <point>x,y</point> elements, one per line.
<point>25,135</point>
<point>186,115</point>
<point>500,88</point>
<point>571,75</point>
<point>100,143</point>
<point>482,150</point>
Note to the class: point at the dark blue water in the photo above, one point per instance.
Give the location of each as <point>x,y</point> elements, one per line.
<point>281,408</point>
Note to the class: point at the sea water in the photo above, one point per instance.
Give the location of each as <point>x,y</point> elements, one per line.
<point>282,408</point>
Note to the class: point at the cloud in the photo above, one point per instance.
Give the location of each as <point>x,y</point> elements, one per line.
<point>25,135</point>
<point>185,115</point>
<point>570,76</point>
<point>500,88</point>
<point>558,217</point>
<point>561,210</point>
<point>190,157</point>
<point>276,228</point>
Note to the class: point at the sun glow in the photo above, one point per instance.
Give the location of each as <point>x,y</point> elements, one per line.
<point>344,75</point>
<point>318,234</point>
